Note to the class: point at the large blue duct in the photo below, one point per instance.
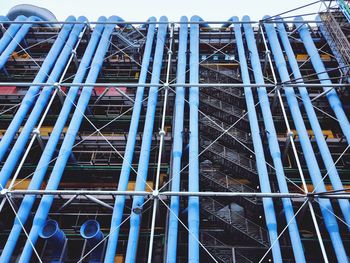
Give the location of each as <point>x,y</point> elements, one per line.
<point>311,161</point>
<point>30,96</point>
<point>129,149</point>
<point>193,159</point>
<point>91,232</point>
<point>315,125</point>
<point>10,33</point>
<point>40,104</point>
<point>55,238</point>
<point>142,171</point>
<point>271,134</point>
<point>323,76</point>
<point>16,40</point>
<point>269,210</point>
<point>66,148</point>
<point>177,143</point>
<point>50,148</point>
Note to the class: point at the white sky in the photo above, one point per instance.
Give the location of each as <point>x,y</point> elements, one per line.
<point>139,10</point>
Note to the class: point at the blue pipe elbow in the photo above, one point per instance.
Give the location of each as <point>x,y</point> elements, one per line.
<point>91,232</point>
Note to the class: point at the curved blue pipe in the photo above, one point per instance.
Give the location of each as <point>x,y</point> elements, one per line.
<point>271,135</point>
<point>142,171</point>
<point>270,216</point>
<point>311,161</point>
<point>66,148</point>
<point>10,33</point>
<point>16,40</point>
<point>315,125</point>
<point>177,144</point>
<point>91,231</point>
<point>50,148</point>
<point>129,149</point>
<point>40,105</point>
<point>30,96</point>
<point>55,237</point>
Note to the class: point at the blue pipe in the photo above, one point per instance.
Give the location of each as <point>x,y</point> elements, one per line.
<point>315,125</point>
<point>30,96</point>
<point>311,161</point>
<point>270,215</point>
<point>142,171</point>
<point>193,172</point>
<point>271,135</point>
<point>40,104</point>
<point>177,144</point>
<point>16,40</point>
<point>10,33</point>
<point>55,237</point>
<point>323,76</point>
<point>129,149</point>
<point>91,231</point>
<point>44,162</point>
<point>66,148</point>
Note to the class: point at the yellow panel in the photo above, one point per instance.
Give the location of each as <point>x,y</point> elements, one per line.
<point>310,187</point>
<point>302,57</point>
<point>131,186</point>
<point>118,259</point>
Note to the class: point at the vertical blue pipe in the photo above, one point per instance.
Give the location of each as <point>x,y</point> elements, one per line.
<point>315,125</point>
<point>323,76</point>
<point>30,96</point>
<point>142,172</point>
<point>40,104</point>
<point>177,144</point>
<point>129,149</point>
<point>66,148</point>
<point>269,210</point>
<point>44,162</point>
<point>91,232</point>
<point>271,135</point>
<point>311,161</point>
<point>10,33</point>
<point>16,40</point>
<point>193,170</point>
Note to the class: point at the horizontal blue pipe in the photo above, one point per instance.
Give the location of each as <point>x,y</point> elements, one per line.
<point>142,171</point>
<point>311,161</point>
<point>177,144</point>
<point>315,125</point>
<point>271,134</point>
<point>270,216</point>
<point>50,148</point>
<point>40,105</point>
<point>66,148</point>
<point>30,96</point>
<point>129,149</point>
<point>10,33</point>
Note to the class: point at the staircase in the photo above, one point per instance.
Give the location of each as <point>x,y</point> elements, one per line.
<point>215,179</point>
<point>336,39</point>
<point>222,252</point>
<point>234,222</point>
<point>223,111</point>
<point>229,160</point>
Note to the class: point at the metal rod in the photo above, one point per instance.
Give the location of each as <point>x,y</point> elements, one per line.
<point>201,85</point>
<point>161,144</point>
<point>295,151</point>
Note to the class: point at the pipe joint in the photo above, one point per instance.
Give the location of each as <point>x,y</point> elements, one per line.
<point>166,85</point>
<point>155,194</point>
<point>56,85</point>
<point>162,133</point>
<point>36,131</point>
